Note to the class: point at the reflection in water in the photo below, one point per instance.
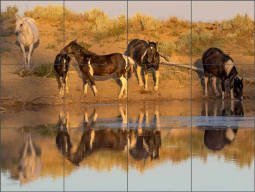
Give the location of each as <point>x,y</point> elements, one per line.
<point>30,165</point>
<point>100,139</point>
<point>216,139</point>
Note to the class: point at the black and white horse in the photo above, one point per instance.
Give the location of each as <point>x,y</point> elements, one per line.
<point>147,57</point>
<point>221,65</point>
<point>100,65</point>
<point>61,66</point>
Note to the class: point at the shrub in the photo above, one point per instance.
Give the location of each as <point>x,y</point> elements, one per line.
<point>144,22</point>
<point>9,13</point>
<point>51,13</point>
<point>45,71</point>
<point>167,48</point>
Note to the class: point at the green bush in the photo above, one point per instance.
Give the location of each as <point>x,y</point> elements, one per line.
<point>45,71</point>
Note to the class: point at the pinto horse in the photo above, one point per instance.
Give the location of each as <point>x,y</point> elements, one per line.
<point>221,65</point>
<point>61,65</point>
<point>147,57</point>
<point>100,65</point>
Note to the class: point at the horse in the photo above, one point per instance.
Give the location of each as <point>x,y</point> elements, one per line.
<point>146,56</point>
<point>28,35</point>
<point>221,65</point>
<point>92,65</point>
<point>61,65</point>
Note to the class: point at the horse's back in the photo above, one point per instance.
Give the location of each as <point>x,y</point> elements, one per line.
<point>135,45</point>
<point>211,53</point>
<point>136,49</point>
<point>34,29</point>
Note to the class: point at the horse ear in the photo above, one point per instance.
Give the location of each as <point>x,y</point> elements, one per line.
<point>75,41</point>
<point>17,17</point>
<point>242,79</point>
<point>148,41</point>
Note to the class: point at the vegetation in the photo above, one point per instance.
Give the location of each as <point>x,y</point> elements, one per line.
<point>237,32</point>
<point>45,71</point>
<point>9,13</point>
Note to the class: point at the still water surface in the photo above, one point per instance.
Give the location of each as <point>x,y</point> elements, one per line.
<point>147,146</point>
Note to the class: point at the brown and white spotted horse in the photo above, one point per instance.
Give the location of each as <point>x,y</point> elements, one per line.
<point>146,56</point>
<point>221,65</point>
<point>61,66</point>
<point>100,65</point>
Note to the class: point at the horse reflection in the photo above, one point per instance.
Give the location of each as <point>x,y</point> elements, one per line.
<point>146,141</point>
<point>63,138</point>
<point>140,143</point>
<point>219,138</point>
<point>92,140</point>
<point>30,165</point>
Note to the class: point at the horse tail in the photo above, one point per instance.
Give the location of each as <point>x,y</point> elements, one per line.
<point>130,68</point>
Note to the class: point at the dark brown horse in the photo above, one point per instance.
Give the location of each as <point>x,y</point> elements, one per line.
<point>146,56</point>
<point>92,65</point>
<point>221,65</point>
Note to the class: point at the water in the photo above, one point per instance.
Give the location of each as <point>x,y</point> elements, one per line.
<point>142,147</point>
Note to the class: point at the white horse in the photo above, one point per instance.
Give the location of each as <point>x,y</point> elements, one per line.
<point>28,35</point>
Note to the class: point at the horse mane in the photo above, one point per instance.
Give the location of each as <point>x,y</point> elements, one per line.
<point>87,52</point>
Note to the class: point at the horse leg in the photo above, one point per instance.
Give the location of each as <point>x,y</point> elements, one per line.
<point>232,93</point>
<point>61,91</point>
<point>94,116</point>
<point>29,54</point>
<point>215,86</point>
<point>145,78</point>
<point>92,81</point>
<point>24,54</point>
<point>156,77</point>
<point>85,85</point>
<point>25,148</point>
<point>59,85</point>
<point>63,86</point>
<point>67,90</point>
<point>138,70</point>
<point>123,85</point>
<point>32,146</point>
<point>207,77</point>
<point>223,87</point>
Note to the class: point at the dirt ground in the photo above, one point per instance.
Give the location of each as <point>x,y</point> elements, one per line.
<point>175,83</point>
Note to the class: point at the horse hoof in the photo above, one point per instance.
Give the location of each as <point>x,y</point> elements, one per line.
<point>155,89</point>
<point>146,89</point>
<point>67,90</point>
<point>140,84</point>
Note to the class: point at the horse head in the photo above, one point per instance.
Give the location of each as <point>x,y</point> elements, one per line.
<point>19,25</point>
<point>152,51</point>
<point>70,48</point>
<point>238,87</point>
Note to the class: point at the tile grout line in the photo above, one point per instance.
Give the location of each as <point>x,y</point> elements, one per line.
<point>191,96</point>
<point>127,104</point>
<point>64,93</point>
<point>0,99</point>
<point>254,88</point>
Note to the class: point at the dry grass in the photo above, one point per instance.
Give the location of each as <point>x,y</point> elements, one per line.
<point>237,32</point>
